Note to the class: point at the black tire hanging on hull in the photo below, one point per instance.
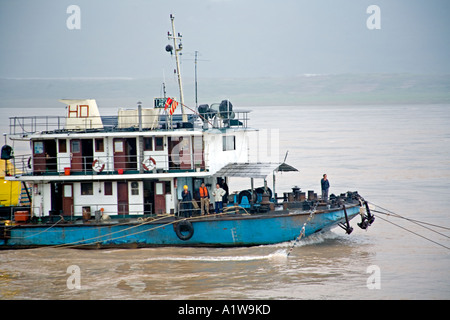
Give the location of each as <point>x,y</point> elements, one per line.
<point>184,230</point>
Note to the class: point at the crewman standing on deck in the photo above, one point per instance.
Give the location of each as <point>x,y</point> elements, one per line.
<point>218,198</point>
<point>204,198</point>
<point>187,202</point>
<point>325,186</point>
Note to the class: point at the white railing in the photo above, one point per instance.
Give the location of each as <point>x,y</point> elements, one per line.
<point>71,164</point>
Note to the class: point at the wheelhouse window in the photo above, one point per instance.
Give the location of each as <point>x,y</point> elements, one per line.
<point>159,144</point>
<point>108,188</point>
<point>99,145</point>
<point>229,143</point>
<point>148,144</point>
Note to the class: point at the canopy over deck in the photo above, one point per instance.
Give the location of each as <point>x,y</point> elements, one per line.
<point>253,170</point>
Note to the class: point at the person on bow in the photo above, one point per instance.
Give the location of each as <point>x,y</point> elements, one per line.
<point>325,187</point>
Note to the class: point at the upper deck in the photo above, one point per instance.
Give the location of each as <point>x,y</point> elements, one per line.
<point>83,117</point>
<point>140,141</point>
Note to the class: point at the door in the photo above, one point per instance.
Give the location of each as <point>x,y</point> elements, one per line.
<point>76,157</point>
<point>87,154</point>
<point>119,154</point>
<point>122,197</point>
<point>38,157</point>
<point>160,197</point>
<point>125,154</point>
<point>57,192</point>
<point>44,156</point>
<point>149,197</point>
<point>67,203</point>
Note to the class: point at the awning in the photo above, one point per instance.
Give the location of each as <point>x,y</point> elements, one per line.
<point>253,170</point>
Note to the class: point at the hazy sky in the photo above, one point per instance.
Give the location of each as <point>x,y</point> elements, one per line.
<point>236,38</point>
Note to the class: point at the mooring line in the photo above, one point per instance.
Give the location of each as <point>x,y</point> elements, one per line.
<point>419,235</point>
<point>422,224</point>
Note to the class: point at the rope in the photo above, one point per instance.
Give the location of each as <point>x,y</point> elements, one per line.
<point>412,220</point>
<point>417,222</point>
<point>80,243</point>
<point>32,235</point>
<point>108,234</point>
<point>414,233</point>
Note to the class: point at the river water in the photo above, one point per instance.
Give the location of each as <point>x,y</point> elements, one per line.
<point>395,156</point>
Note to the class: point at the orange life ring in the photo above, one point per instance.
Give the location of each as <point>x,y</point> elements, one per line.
<point>149,164</point>
<point>98,166</point>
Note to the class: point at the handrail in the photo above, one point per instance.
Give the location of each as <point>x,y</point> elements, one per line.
<point>24,126</point>
<point>71,164</point>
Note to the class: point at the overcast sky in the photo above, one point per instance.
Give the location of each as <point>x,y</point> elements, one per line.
<point>235,38</point>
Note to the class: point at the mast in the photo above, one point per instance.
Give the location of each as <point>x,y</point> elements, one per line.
<point>177,49</point>
<point>196,101</point>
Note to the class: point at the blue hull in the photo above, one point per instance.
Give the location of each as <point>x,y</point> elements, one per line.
<point>221,231</point>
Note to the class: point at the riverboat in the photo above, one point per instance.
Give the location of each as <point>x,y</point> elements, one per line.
<point>98,181</point>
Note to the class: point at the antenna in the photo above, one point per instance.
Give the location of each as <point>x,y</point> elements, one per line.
<point>177,37</point>
<point>196,100</point>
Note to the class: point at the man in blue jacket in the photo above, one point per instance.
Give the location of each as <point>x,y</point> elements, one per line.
<point>325,186</point>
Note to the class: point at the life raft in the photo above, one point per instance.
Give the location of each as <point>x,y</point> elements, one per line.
<point>98,166</point>
<point>184,230</point>
<point>149,164</point>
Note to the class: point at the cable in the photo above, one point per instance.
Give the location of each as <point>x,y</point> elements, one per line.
<point>415,233</point>
<point>419,223</point>
<point>399,216</point>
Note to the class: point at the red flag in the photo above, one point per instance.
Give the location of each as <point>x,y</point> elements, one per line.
<point>168,103</point>
<point>173,107</point>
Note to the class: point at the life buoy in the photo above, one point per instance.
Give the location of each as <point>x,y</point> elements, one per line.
<point>184,230</point>
<point>98,166</point>
<point>149,164</point>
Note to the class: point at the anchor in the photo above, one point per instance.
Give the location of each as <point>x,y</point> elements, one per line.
<point>366,220</point>
<point>348,229</point>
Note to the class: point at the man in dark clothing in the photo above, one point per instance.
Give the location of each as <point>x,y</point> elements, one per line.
<point>186,202</point>
<point>325,186</point>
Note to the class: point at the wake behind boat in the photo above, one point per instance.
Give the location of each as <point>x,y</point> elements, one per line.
<point>138,179</point>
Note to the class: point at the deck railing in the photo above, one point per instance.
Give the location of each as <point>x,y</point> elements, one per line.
<point>88,165</point>
<point>24,126</point>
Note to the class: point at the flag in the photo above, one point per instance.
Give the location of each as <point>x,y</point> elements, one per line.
<point>173,107</point>
<point>168,103</point>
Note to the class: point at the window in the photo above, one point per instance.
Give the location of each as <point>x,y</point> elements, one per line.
<point>38,147</point>
<point>62,146</point>
<point>134,188</point>
<point>87,189</point>
<point>108,188</point>
<point>148,144</point>
<point>99,145</point>
<point>168,188</point>
<point>76,148</point>
<point>229,143</point>
<point>159,144</point>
